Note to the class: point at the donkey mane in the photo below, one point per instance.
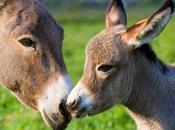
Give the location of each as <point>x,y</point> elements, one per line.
<point>151,56</point>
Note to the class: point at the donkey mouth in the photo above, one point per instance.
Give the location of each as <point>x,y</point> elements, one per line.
<point>79,114</point>
<point>58,121</point>
<point>82,113</point>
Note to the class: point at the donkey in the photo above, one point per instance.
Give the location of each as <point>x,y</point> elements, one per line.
<point>31,60</point>
<point>121,68</point>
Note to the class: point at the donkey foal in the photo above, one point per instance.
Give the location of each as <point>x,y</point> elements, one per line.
<point>121,68</point>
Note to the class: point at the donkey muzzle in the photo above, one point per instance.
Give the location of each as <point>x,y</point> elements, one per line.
<point>52,103</point>
<point>59,120</point>
<point>79,102</point>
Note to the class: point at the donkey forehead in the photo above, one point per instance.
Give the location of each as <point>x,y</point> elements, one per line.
<point>106,44</point>
<point>23,16</point>
<point>13,8</point>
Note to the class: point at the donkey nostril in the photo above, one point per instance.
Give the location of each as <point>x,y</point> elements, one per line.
<point>73,105</point>
<point>64,111</point>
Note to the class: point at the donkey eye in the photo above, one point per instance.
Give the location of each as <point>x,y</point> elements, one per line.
<point>105,68</point>
<point>27,42</point>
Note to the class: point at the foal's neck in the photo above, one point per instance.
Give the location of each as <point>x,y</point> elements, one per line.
<point>152,101</point>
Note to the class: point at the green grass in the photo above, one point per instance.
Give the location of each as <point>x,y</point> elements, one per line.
<point>78,31</point>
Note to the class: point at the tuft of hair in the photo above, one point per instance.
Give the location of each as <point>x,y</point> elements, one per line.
<point>151,56</point>
<point>171,4</point>
<point>167,4</point>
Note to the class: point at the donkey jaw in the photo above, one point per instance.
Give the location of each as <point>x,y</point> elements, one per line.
<point>52,103</point>
<point>80,103</point>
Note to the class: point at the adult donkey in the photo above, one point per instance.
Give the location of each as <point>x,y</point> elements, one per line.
<point>122,69</point>
<point>31,61</point>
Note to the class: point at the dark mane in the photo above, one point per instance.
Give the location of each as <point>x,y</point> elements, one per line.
<point>147,51</point>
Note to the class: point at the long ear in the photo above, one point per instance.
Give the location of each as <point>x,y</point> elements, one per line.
<point>116,14</point>
<point>144,31</point>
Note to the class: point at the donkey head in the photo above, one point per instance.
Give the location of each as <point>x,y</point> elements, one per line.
<point>112,58</point>
<point>31,61</point>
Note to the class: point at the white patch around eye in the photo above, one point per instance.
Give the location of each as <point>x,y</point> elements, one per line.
<point>27,36</point>
<point>104,75</point>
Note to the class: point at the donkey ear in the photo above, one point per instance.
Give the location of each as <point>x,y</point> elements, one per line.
<point>116,14</point>
<point>144,31</point>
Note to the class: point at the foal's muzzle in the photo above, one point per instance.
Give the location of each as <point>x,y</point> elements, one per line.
<point>79,102</point>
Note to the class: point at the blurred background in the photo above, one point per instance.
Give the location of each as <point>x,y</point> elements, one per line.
<point>81,20</point>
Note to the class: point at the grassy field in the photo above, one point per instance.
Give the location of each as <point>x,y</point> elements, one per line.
<point>78,30</point>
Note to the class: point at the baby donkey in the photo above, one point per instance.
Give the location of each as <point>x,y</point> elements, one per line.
<point>121,68</point>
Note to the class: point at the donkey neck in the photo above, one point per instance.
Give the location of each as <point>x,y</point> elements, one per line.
<point>152,100</point>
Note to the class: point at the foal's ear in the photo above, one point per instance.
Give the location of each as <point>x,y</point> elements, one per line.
<point>116,14</point>
<point>142,32</point>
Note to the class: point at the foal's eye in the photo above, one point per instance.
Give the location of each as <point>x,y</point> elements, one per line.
<point>28,42</point>
<point>105,68</point>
